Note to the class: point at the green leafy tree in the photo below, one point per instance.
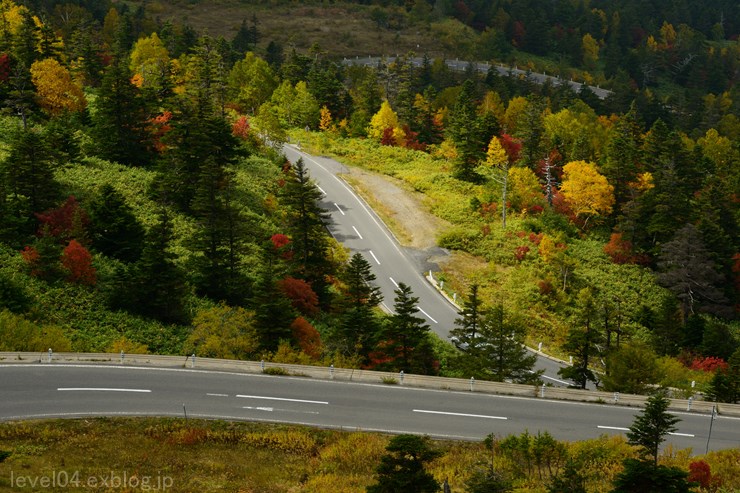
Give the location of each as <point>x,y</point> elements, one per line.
<point>631,369</point>
<point>725,384</point>
<point>252,82</point>
<point>402,468</point>
<point>223,332</point>
<point>404,338</point>
<point>582,342</point>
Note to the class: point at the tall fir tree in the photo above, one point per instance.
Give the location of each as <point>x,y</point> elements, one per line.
<point>404,339</point>
<point>359,325</point>
<point>306,224</point>
<point>115,230</point>
<point>465,132</point>
<point>582,342</point>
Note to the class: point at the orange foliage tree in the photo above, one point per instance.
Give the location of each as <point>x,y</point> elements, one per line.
<point>307,337</point>
<point>77,261</point>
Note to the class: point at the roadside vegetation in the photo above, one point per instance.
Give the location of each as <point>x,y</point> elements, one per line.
<point>218,456</point>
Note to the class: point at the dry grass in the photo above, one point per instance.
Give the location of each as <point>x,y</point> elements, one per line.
<point>343,29</point>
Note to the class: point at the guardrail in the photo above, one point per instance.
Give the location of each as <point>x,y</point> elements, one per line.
<point>362,376</point>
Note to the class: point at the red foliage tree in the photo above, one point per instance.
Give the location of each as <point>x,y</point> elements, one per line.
<point>301,295</point>
<point>33,259</point>
<point>4,67</point>
<point>700,472</point>
<point>240,128</point>
<point>521,252</point>
<point>67,221</point>
<point>77,261</point>
<point>279,240</point>
<point>710,364</point>
<point>388,138</point>
<point>307,337</point>
<point>512,146</point>
<point>159,127</point>
<point>411,140</point>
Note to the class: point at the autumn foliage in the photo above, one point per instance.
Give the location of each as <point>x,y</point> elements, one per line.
<point>67,221</point>
<point>307,337</point>
<point>300,294</point>
<point>55,89</point>
<point>77,262</point>
<point>621,252</point>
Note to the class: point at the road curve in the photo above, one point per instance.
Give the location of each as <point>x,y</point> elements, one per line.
<point>355,224</point>
<point>69,390</point>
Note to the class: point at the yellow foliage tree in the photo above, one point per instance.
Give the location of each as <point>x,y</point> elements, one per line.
<point>526,190</point>
<point>514,112</point>
<point>590,51</point>
<point>587,192</point>
<point>325,121</point>
<point>223,332</point>
<point>12,17</point>
<point>150,59</point>
<point>55,89</point>
<point>384,118</point>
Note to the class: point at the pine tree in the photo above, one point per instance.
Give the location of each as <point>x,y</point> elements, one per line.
<point>467,329</point>
<point>402,467</point>
<point>306,226</point>
<point>158,284</point>
<point>27,175</point>
<point>359,325</point>
<point>115,230</point>
<point>273,311</point>
<point>120,117</point>
<point>651,426</point>
<point>503,355</point>
<point>405,336</point>
<point>465,132</point>
<point>582,343</point>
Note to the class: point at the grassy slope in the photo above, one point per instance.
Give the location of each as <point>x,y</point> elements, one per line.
<point>250,457</point>
<point>343,29</point>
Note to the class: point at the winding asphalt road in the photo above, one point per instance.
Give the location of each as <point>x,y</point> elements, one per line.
<point>355,224</point>
<point>62,390</point>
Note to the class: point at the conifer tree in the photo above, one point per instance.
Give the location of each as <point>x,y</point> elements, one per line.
<point>115,230</point>
<point>402,467</point>
<point>306,225</point>
<point>651,426</point>
<point>582,342</point>
<point>465,132</point>
<point>405,336</point>
<point>359,324</point>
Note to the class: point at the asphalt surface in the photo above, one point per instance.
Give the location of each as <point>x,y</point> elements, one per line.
<point>355,224</point>
<point>61,390</point>
<point>504,71</point>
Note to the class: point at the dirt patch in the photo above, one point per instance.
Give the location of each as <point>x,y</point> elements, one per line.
<point>401,209</point>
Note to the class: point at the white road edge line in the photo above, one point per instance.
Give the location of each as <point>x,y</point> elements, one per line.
<point>272,409</point>
<point>280,399</point>
<point>358,233</point>
<point>618,428</point>
<point>339,208</point>
<point>682,435</point>
<point>394,282</point>
<point>374,257</point>
<point>555,380</point>
<point>321,190</point>
<point>100,389</point>
<point>425,313</point>
<point>426,411</point>
<point>218,395</point>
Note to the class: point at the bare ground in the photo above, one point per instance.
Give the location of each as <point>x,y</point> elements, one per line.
<point>402,210</point>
